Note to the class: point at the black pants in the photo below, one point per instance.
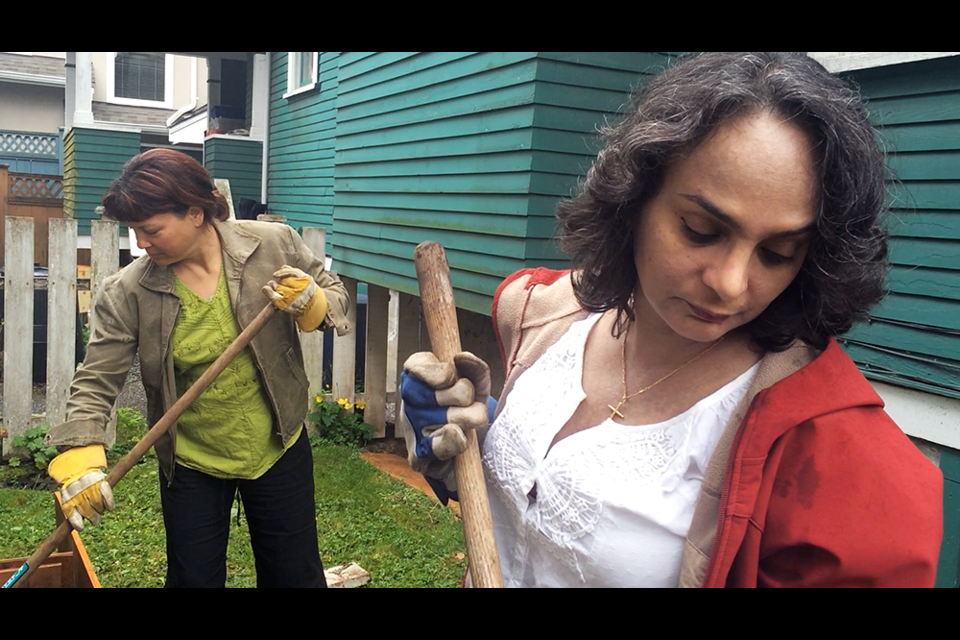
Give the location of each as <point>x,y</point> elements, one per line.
<point>279,507</point>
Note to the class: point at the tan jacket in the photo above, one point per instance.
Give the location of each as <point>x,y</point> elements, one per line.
<point>136,311</point>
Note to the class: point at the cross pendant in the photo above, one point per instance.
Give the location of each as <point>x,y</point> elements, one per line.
<point>615,409</point>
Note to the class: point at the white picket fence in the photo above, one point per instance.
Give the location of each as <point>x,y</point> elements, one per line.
<point>62,285</point>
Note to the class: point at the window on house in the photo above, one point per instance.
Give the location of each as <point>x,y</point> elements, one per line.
<point>301,71</point>
<point>139,76</point>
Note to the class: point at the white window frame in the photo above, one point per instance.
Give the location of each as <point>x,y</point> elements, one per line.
<point>293,67</point>
<point>166,103</point>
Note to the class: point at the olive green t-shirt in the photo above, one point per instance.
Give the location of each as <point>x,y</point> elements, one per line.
<point>227,432</point>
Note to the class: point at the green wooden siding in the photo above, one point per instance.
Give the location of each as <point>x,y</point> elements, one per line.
<point>301,153</point>
<point>471,150</point>
<point>948,569</point>
<point>237,160</point>
<point>92,160</point>
<point>913,338</point>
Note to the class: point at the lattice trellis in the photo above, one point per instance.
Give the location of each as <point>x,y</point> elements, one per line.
<point>29,144</point>
<point>36,187</point>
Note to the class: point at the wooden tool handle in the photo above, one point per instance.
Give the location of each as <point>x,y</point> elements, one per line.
<point>440,314</point>
<point>169,418</point>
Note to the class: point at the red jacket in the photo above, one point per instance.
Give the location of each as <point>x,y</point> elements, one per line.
<point>812,484</point>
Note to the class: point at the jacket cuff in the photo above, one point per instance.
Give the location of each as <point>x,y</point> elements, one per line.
<point>76,433</point>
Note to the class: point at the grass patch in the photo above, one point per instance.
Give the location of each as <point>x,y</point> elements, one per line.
<point>402,537</point>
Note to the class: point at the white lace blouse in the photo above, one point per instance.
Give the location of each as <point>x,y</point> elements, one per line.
<point>614,502</point>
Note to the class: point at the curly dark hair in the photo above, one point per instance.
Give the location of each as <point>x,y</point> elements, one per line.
<point>163,181</point>
<point>844,270</point>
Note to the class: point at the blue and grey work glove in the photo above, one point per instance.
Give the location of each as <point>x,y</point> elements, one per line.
<point>439,401</point>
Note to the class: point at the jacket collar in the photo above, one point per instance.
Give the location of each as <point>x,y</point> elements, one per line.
<point>236,244</point>
<point>799,385</point>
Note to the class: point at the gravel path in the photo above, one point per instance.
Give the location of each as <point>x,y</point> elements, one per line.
<point>132,394</point>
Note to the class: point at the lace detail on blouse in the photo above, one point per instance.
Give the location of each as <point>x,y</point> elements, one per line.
<point>612,499</point>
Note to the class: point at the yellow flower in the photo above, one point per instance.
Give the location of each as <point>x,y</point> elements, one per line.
<point>348,406</point>
<point>342,402</point>
<point>361,405</point>
<point>318,399</point>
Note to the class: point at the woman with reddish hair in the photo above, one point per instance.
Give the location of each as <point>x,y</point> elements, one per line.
<point>179,307</point>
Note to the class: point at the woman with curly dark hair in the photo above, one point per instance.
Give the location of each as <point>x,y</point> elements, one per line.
<point>179,307</point>
<point>676,409</point>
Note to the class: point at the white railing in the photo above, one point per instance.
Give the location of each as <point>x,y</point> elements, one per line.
<point>35,145</point>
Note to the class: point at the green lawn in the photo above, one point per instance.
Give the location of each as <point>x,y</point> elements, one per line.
<point>402,537</point>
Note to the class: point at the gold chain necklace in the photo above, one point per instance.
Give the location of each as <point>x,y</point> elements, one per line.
<point>623,400</point>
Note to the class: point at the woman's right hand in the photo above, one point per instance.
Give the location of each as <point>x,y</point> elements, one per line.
<point>439,400</point>
<point>84,489</point>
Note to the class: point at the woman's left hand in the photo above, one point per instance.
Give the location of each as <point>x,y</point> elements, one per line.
<point>296,292</point>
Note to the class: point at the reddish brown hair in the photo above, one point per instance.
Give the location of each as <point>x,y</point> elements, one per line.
<point>163,181</point>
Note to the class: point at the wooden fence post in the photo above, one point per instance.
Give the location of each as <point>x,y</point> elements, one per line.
<point>104,261</point>
<point>104,253</point>
<point>375,368</point>
<point>345,351</point>
<point>18,326</point>
<point>312,343</point>
<point>393,314</point>
<point>411,334</point>
<point>62,316</point>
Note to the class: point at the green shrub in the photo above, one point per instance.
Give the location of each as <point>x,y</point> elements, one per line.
<point>40,454</point>
<point>131,426</point>
<point>335,422</point>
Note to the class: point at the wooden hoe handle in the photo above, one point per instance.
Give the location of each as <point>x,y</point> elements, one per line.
<point>440,313</point>
<point>127,462</point>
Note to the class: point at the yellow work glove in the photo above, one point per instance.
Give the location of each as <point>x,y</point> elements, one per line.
<point>295,292</point>
<point>84,490</point>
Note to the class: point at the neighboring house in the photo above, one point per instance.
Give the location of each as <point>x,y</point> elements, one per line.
<point>51,123</point>
<point>31,112</point>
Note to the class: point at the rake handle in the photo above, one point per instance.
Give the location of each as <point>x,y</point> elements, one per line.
<point>440,314</point>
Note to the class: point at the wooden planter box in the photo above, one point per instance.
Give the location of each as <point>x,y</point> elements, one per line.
<point>69,568</point>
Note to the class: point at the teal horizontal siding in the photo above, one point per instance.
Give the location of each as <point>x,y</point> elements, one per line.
<point>410,102</point>
<point>238,161</point>
<point>914,78</point>
<point>511,119</point>
<point>924,224</point>
<point>934,283</point>
<point>936,312</point>
<point>483,222</point>
<point>302,138</point>
<point>472,150</point>
<point>908,369</point>
<point>924,136</point>
<point>914,339</point>
<point>925,195</point>
<point>92,160</point>
<point>439,83</point>
<point>925,252</point>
